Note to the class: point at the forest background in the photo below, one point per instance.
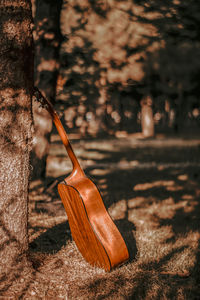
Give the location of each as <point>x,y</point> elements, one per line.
<point>109,58</point>
<point>123,76</point>
<point>116,67</point>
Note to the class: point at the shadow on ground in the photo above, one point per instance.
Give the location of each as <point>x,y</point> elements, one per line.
<point>152,194</point>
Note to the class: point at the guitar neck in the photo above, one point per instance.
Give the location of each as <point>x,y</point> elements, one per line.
<point>77,170</point>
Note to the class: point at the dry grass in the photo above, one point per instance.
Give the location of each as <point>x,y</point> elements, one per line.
<point>155,204</point>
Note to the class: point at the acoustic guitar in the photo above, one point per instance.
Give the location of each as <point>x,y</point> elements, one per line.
<point>95,234</point>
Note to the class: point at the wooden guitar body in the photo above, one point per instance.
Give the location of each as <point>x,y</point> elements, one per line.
<point>93,230</point>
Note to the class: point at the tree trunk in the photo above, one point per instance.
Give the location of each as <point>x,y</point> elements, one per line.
<point>16,85</point>
<point>147,121</point>
<point>47,45</point>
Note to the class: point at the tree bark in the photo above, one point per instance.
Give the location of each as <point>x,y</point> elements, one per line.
<point>16,85</point>
<point>147,121</point>
<point>47,45</point>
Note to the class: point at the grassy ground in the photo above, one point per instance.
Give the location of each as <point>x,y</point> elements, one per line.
<point>151,189</point>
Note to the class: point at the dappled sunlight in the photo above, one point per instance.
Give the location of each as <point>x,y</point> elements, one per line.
<point>115,52</point>
<point>190,238</point>
<point>92,154</point>
<point>47,65</point>
<point>152,235</point>
<point>118,210</point>
<point>149,185</point>
<point>174,188</point>
<point>153,250</point>
<point>158,220</point>
<point>13,29</point>
<point>58,166</point>
<point>99,172</point>
<point>138,201</point>
<point>183,177</point>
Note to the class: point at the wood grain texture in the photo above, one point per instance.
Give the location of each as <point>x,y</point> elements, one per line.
<point>93,230</point>
<point>87,242</point>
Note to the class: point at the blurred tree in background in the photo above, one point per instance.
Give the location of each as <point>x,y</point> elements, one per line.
<point>48,38</point>
<point>117,66</point>
<point>173,68</point>
<point>116,54</point>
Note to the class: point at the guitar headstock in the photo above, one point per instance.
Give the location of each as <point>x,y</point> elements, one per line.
<point>40,98</point>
